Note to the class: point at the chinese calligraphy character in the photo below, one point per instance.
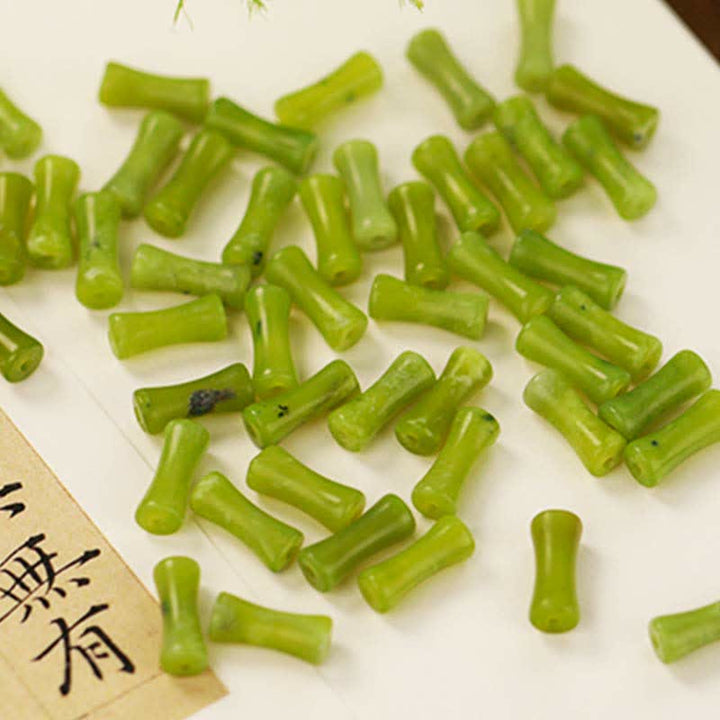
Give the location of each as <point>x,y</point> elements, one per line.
<point>12,508</point>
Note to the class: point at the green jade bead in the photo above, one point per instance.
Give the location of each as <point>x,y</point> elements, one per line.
<point>632,194</point>
<point>227,390</point>
<point>437,161</point>
<point>491,160</point>
<point>277,474</point>
<point>556,170</point>
<point>200,320</point>
<point>448,542</point>
<point>157,269</point>
<point>269,421</point>
<point>682,378</point>
<point>359,76</point>
<point>272,191</point>
<point>462,313</point>
<point>16,193</point>
<point>472,431</point>
<point>216,499</point>
<point>358,421</point>
<point>183,650</point>
<point>50,240</point>
<point>338,258</point>
<point>473,259</point>
<point>162,509</point>
<point>20,135</point>
<point>432,57</point>
<point>652,457</point>
<point>675,636</point>
<point>339,321</point>
<point>556,538</point>
<point>539,258</point>
<point>413,207</point>
<point>292,147</point>
<point>632,122</point>
<point>535,61</point>
<point>326,563</point>
<point>598,446</point>
<point>20,353</point>
<point>422,429</point>
<point>580,317</point>
<point>373,225</point>
<point>234,620</point>
<point>170,209</point>
<point>156,145</point>
<point>123,86</point>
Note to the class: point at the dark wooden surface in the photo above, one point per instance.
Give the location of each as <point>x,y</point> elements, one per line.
<point>703,18</point>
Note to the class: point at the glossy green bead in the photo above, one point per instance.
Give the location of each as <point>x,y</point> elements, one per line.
<point>556,537</point>
<point>200,320</point>
<point>269,421</point>
<point>632,194</point>
<point>680,379</point>
<point>473,259</point>
<point>359,76</point>
<point>338,258</point>
<point>277,474</point>
<point>470,103</point>
<point>535,61</point>
<point>227,390</point>
<point>20,135</point>
<point>327,563</point>
<point>20,353</point>
<point>156,145</point>
<point>16,193</point>
<point>216,499</point>
<point>358,421</point>
<point>183,650</point>
<point>272,191</point>
<point>472,430</point>
<point>677,635</point>
<point>598,446</point>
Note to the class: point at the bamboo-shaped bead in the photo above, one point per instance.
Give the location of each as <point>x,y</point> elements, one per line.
<point>170,209</point>
<point>338,258</point>
<point>339,321</point>
<point>556,170</point>
<point>423,429</point>
<point>235,620</point>
<point>183,651</point>
<point>677,635</point>
<point>437,160</point>
<point>20,353</point>
<point>359,76</point>
<point>20,135</point>
<point>277,474</point>
<point>358,421</point>
<point>227,390</point>
<point>99,284</point>
<point>585,321</point>
<point>632,194</point>
<point>598,446</point>
<point>535,61</point>
<point>473,259</point>
<point>269,421</point>
<point>542,341</point>
<point>50,240</point>
<point>373,225</point>
<point>652,457</point>
<point>413,206</point>
<point>16,193</point>
<point>326,563</point>
<point>632,122</point>
<point>273,189</point>
<point>470,103</point>
<point>156,145</point>
<point>490,158</point>
<point>556,538</point>
<point>446,543</point>
<point>462,313</point>
<point>200,320</point>
<point>680,379</point>
<point>123,86</point>
<point>162,509</point>
<point>216,499</point>
<point>292,147</point>
<point>542,259</point>
<point>157,269</point>
<point>472,431</point>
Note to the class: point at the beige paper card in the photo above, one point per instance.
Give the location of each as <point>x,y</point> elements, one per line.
<point>79,633</point>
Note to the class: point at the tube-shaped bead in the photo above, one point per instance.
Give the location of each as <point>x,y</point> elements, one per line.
<point>20,135</point>
<point>16,193</point>
<point>20,353</point>
<point>677,635</point>
<point>535,61</point>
